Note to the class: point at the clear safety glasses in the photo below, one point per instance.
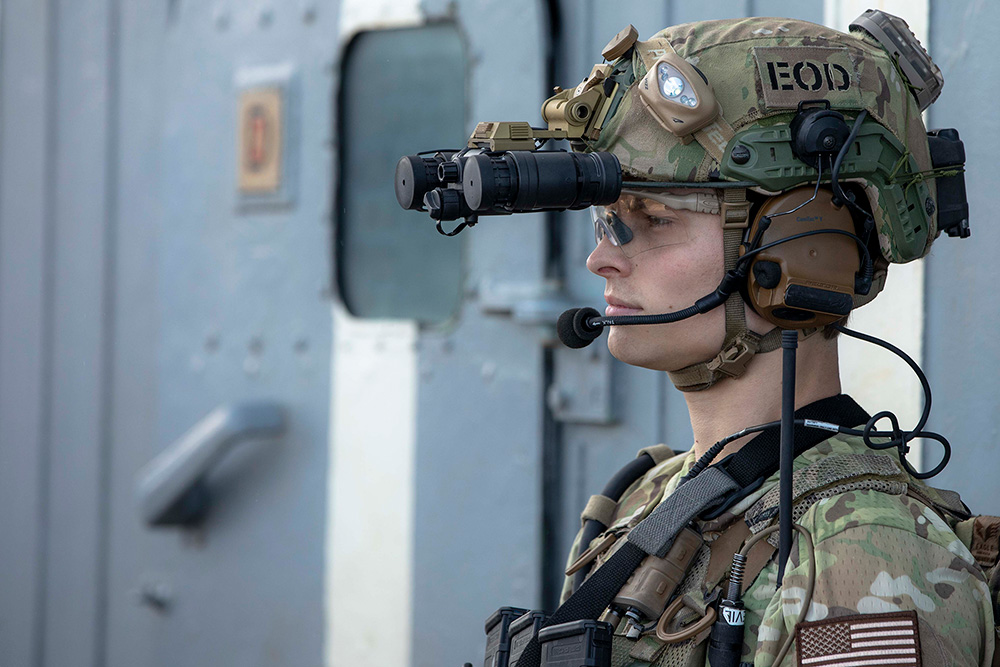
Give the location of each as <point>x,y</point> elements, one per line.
<point>642,220</point>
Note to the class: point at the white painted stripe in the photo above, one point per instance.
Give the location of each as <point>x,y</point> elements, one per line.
<point>370,496</point>
<point>859,654</point>
<point>881,624</point>
<point>883,633</point>
<point>883,642</point>
<point>872,662</point>
<point>875,378</point>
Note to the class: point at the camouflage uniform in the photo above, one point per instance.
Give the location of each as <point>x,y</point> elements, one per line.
<point>878,549</point>
<point>884,545</point>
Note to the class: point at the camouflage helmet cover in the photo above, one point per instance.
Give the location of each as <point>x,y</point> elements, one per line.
<point>760,69</point>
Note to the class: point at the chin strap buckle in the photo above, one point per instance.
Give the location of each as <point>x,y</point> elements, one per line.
<point>733,359</point>
<point>735,209</point>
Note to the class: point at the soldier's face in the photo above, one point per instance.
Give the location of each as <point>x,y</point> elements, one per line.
<point>663,279</point>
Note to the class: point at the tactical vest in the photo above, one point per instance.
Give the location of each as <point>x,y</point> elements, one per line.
<point>707,576</point>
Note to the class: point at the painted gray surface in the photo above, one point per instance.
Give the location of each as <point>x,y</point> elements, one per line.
<point>131,628</point>
<point>25,285</point>
<point>82,262</point>
<point>481,388</point>
<point>134,298</point>
<point>244,309</point>
<point>962,311</point>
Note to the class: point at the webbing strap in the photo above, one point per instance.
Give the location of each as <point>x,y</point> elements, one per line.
<point>590,600</point>
<point>651,49</point>
<point>599,508</point>
<point>714,138</point>
<point>740,344</point>
<point>840,409</point>
<point>756,460</point>
<point>659,453</point>
<point>654,535</point>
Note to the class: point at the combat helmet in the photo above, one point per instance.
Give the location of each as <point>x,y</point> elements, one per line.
<point>747,105</point>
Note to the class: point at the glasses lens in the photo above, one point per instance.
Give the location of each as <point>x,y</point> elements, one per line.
<point>639,224</point>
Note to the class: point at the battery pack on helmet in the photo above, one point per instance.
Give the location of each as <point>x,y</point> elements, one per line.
<point>678,96</point>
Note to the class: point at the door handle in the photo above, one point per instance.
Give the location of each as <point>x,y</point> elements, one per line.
<point>171,488</point>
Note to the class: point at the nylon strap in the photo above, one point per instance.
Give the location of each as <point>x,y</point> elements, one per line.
<point>740,344</point>
<point>758,459</point>
<point>714,138</point>
<point>659,453</point>
<point>599,508</point>
<point>653,535</point>
<point>651,50</point>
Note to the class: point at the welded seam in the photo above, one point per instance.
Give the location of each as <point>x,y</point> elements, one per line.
<point>48,331</point>
<point>106,377</point>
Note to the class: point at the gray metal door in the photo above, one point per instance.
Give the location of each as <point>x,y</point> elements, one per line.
<point>224,300</point>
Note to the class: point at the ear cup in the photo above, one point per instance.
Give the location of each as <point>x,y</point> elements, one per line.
<point>807,282</point>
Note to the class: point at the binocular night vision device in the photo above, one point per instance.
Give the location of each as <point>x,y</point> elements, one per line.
<point>466,184</point>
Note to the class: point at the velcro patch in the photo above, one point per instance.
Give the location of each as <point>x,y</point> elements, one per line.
<point>791,74</point>
<point>863,640</point>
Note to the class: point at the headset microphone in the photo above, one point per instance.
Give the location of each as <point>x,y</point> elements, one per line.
<point>574,328</point>
<point>579,327</point>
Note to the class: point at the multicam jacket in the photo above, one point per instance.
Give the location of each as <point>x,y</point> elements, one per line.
<point>884,542</point>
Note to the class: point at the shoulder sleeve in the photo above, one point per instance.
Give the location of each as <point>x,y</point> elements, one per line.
<point>877,553</point>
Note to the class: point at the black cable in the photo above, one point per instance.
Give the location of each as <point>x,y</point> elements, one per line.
<point>834,182</point>
<point>861,244</point>
<point>897,437</point>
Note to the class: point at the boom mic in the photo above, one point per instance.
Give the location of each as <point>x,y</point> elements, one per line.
<point>574,329</point>
<point>579,327</point>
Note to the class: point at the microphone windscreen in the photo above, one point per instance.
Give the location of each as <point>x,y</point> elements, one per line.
<point>573,330</point>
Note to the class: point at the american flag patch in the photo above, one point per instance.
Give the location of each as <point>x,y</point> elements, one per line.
<point>865,640</point>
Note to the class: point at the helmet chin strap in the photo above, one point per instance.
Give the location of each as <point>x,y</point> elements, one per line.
<point>741,344</point>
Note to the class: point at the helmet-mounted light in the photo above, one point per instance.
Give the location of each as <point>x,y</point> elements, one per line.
<point>678,96</point>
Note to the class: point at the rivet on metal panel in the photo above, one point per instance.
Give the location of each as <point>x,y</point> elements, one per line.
<point>256,346</point>
<point>301,345</point>
<point>156,595</point>
<point>266,17</point>
<point>212,343</point>
<point>309,14</point>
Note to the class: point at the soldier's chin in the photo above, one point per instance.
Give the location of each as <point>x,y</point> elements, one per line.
<point>642,346</point>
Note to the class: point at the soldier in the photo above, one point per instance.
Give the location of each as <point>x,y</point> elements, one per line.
<point>883,543</point>
<point>755,179</point>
